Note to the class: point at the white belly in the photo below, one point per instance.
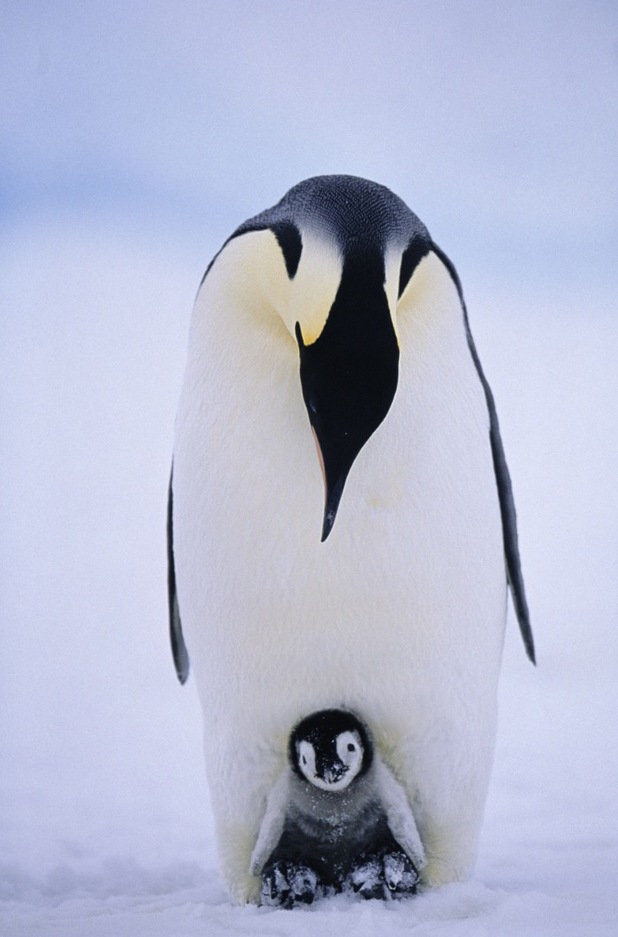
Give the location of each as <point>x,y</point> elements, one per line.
<point>399,615</point>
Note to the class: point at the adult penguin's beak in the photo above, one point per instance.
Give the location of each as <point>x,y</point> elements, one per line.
<point>349,376</point>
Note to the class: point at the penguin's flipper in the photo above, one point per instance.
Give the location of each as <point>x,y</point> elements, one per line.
<point>509,517</point>
<point>179,648</point>
<point>399,814</point>
<point>271,828</point>
<point>503,481</point>
<point>509,531</point>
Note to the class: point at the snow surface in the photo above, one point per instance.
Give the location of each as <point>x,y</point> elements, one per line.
<point>113,210</point>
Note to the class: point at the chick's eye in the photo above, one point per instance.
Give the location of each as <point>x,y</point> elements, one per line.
<point>304,760</point>
<point>351,747</point>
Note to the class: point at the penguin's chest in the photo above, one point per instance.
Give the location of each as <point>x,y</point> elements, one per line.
<point>418,530</point>
<point>411,576</point>
<point>333,831</point>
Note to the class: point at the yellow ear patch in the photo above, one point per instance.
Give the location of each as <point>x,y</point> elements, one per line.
<point>253,268</point>
<point>313,288</point>
<point>392,265</point>
<point>429,284</point>
<point>253,263</point>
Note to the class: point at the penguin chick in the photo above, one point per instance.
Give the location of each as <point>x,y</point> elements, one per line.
<point>336,819</point>
<point>329,749</point>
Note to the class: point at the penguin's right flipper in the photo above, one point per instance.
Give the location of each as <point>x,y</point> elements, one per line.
<point>179,648</point>
<point>273,821</point>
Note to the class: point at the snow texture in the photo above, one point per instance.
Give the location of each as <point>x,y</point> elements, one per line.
<point>140,135</point>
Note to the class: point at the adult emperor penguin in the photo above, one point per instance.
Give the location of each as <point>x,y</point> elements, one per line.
<point>332,374</point>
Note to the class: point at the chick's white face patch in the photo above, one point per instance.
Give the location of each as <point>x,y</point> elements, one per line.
<point>343,767</point>
<point>350,751</point>
<point>306,759</point>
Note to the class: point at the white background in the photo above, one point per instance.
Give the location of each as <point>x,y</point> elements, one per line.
<point>135,137</point>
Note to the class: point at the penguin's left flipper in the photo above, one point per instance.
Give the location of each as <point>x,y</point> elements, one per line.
<point>399,816</point>
<point>503,482</point>
<point>509,532</point>
<point>179,648</point>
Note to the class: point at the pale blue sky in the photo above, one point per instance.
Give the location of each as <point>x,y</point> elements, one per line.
<point>497,122</point>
